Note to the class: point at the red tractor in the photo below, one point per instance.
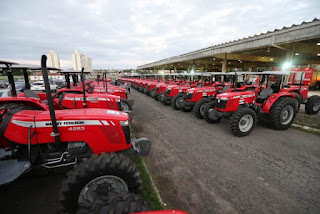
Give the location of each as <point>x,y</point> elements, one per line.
<point>298,83</point>
<point>242,108</point>
<point>198,97</point>
<point>35,136</point>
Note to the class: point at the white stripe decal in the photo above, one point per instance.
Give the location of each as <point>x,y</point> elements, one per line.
<point>105,122</point>
<point>88,99</point>
<point>112,123</point>
<point>60,123</point>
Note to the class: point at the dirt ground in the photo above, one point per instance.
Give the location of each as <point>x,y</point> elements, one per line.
<point>202,168</point>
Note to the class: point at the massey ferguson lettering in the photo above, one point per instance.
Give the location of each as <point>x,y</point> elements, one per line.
<point>67,123</point>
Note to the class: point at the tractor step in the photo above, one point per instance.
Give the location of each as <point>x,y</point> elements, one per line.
<point>12,169</point>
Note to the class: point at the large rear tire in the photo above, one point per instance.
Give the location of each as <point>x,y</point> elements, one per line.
<point>107,171</point>
<point>113,202</point>
<point>243,121</point>
<point>200,106</point>
<point>206,117</point>
<point>313,105</point>
<point>282,113</point>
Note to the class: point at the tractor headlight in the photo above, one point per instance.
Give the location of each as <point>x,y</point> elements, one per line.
<point>124,123</point>
<point>117,100</point>
<point>224,98</point>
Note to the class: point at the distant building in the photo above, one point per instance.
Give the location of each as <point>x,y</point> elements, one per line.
<point>38,76</point>
<point>53,59</point>
<point>80,61</point>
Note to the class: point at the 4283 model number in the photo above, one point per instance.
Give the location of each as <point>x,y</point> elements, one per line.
<point>81,128</point>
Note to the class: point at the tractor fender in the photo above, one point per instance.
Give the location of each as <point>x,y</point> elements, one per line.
<point>273,98</point>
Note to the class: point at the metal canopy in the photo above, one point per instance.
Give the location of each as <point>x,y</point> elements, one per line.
<point>5,62</point>
<point>29,67</point>
<point>73,72</point>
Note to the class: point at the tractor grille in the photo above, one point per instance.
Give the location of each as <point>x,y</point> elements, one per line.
<point>188,96</point>
<point>126,131</point>
<point>222,104</point>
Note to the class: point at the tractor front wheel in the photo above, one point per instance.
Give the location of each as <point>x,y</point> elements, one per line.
<point>282,113</point>
<point>209,106</point>
<point>313,105</point>
<point>175,102</point>
<point>106,172</point>
<point>125,105</point>
<point>200,106</point>
<point>243,121</point>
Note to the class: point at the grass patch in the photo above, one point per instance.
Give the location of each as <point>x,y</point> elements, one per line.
<point>148,192</point>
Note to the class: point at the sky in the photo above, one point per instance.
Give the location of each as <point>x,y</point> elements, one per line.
<point>125,34</point>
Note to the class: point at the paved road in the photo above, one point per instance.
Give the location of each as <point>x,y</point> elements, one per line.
<point>203,168</point>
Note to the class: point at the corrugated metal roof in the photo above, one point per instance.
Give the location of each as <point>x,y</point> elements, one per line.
<point>239,40</point>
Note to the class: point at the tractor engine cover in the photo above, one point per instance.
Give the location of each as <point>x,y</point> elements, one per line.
<point>75,101</point>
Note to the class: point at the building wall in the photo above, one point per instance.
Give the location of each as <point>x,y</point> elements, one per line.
<point>80,61</point>
<point>53,59</point>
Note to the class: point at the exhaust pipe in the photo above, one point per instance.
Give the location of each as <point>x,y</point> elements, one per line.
<point>55,132</point>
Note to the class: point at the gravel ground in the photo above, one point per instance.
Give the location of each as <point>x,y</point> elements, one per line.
<point>202,168</point>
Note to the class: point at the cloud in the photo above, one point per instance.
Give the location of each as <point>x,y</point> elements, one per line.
<point>124,34</point>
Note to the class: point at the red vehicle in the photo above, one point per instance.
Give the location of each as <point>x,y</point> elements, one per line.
<point>33,137</point>
<point>298,83</point>
<point>95,96</point>
<point>171,91</point>
<point>310,77</point>
<point>242,108</point>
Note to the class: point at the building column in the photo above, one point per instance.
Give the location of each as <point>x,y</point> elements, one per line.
<point>175,69</point>
<point>224,63</point>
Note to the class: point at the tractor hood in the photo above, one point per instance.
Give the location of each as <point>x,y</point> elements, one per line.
<point>237,94</point>
<point>106,97</point>
<point>83,116</point>
<point>200,90</point>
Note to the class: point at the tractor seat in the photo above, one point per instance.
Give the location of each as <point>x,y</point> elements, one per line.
<point>264,94</point>
<point>29,93</point>
<point>225,88</point>
<point>275,87</point>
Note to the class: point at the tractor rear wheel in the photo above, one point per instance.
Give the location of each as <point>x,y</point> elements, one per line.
<point>175,102</point>
<point>313,105</point>
<point>282,113</point>
<point>209,106</point>
<point>243,121</point>
<point>113,202</point>
<point>125,105</point>
<point>106,172</point>
<point>200,106</point>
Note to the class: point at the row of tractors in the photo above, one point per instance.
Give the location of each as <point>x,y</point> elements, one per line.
<point>84,126</point>
<point>243,98</point>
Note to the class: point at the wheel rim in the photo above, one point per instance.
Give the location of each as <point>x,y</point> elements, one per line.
<point>178,102</point>
<point>316,106</point>
<point>202,107</point>
<point>102,183</point>
<point>124,107</point>
<point>286,115</point>
<point>246,123</point>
